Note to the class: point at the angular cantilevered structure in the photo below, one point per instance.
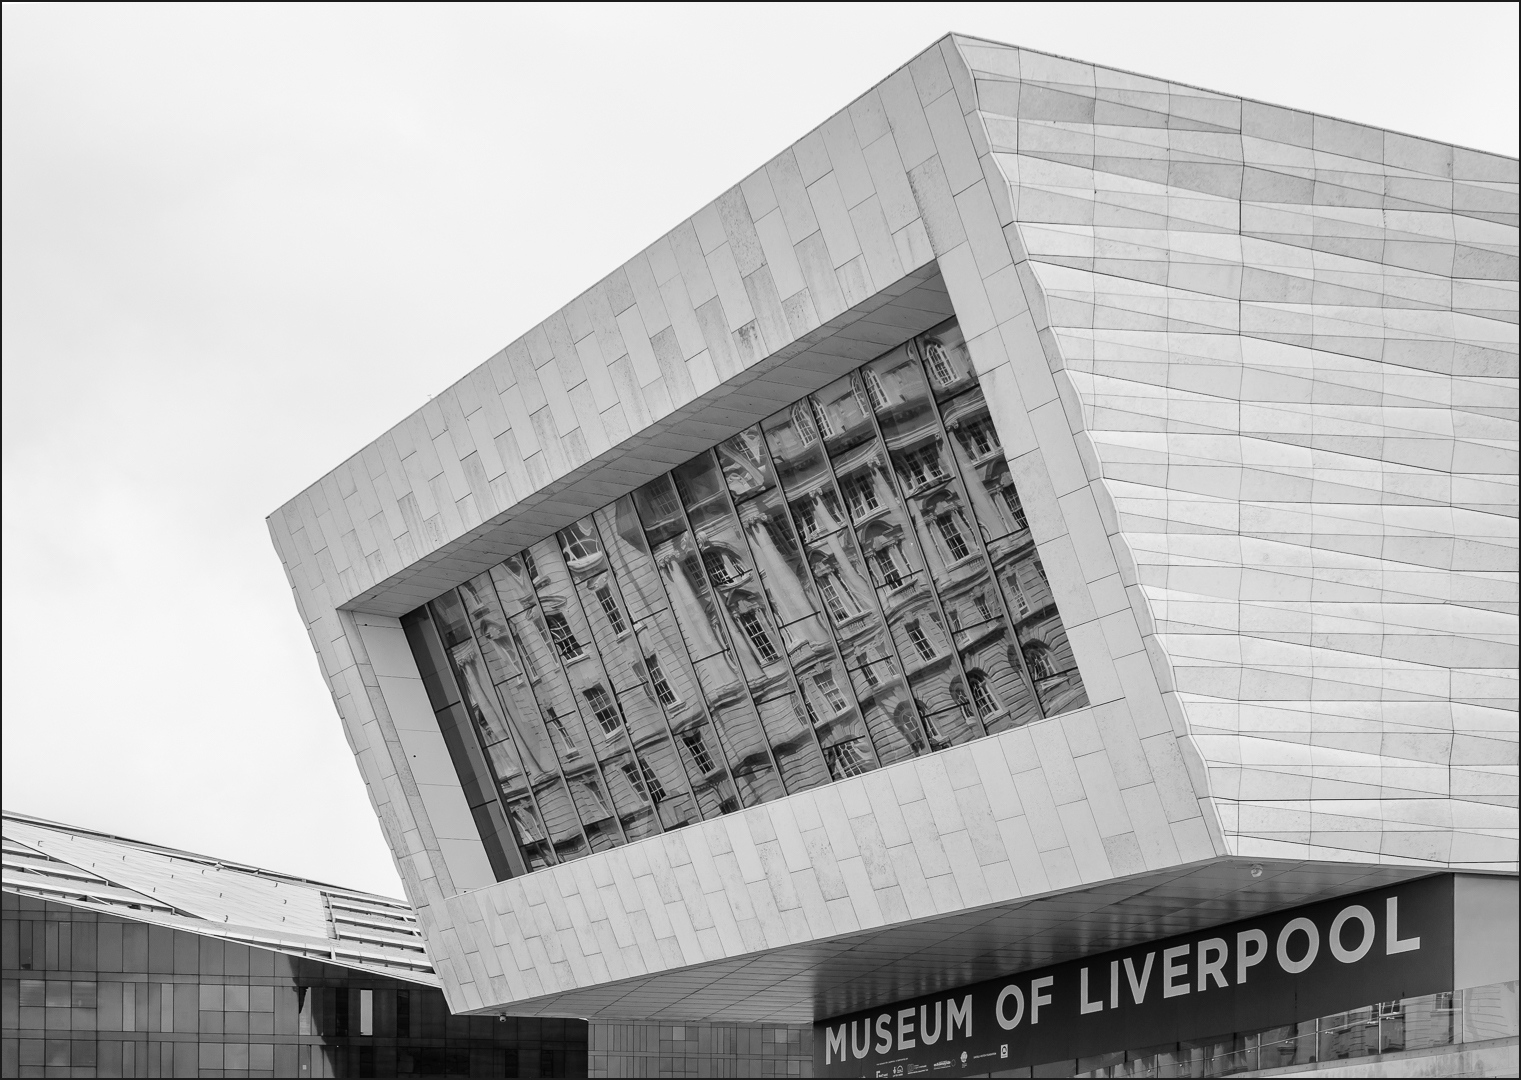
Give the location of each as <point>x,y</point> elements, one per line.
<point>1043,510</point>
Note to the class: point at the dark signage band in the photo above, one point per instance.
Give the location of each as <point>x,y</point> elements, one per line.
<point>1276,969</point>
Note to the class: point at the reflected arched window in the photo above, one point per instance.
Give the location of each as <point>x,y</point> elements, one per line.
<point>1038,660</point>
<point>802,423</point>
<point>874,390</point>
<point>579,542</point>
<point>982,694</point>
<point>939,362</point>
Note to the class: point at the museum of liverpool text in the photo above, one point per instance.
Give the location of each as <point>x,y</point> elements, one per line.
<point>1024,583</point>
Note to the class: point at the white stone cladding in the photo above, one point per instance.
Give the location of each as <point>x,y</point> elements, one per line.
<point>1255,373</point>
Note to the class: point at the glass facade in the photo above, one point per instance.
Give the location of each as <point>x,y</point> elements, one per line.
<point>1429,1023</point>
<point>618,1048</point>
<point>850,583</point>
<point>90,994</point>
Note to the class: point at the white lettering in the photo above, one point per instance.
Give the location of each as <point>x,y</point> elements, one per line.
<point>961,1016</point>
<point>1009,1023</point>
<point>1037,999</point>
<point>906,1029</point>
<point>1138,986</point>
<point>1173,971</point>
<point>1212,969</point>
<point>862,1048</point>
<point>1247,958</point>
<point>834,1044</point>
<point>1084,1005</point>
<point>924,1030</point>
<point>884,1033</point>
<point>1312,935</point>
<point>1392,942</point>
<point>1114,984</point>
<point>1362,915</point>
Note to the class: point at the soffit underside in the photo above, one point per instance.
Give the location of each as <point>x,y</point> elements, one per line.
<point>842,975</point>
<point>910,306</point>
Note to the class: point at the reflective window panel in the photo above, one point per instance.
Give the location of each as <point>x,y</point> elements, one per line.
<point>850,583</point>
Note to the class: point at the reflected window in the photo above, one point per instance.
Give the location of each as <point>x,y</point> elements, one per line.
<point>840,603</point>
<point>950,532</point>
<point>563,637</point>
<point>889,566</point>
<point>643,779</point>
<point>560,734</point>
<point>611,610</point>
<point>1016,509</point>
<point>529,565</point>
<point>938,361</point>
<point>1038,660</point>
<point>868,671</point>
<point>982,694</point>
<point>697,746</point>
<point>802,423</point>
<point>662,503</point>
<point>601,704</point>
<point>980,602</point>
<point>846,759</point>
<point>751,624</point>
<point>662,686</point>
<point>825,681</point>
<point>826,420</point>
<point>922,466</point>
<point>720,568</point>
<point>1017,596</point>
<point>580,543</point>
<point>861,494</point>
<point>977,437</point>
<point>874,392</point>
<point>923,644</point>
<point>807,524</point>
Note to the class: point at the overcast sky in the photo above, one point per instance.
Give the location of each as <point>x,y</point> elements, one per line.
<point>242,241</point>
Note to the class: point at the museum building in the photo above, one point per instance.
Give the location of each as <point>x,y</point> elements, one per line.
<point>1024,582</point>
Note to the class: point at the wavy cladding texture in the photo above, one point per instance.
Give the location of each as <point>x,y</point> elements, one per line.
<point>1294,346</point>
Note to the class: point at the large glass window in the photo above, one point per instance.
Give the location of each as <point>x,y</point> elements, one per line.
<point>850,583</point>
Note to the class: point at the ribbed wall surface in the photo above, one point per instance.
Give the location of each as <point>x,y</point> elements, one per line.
<point>1294,346</point>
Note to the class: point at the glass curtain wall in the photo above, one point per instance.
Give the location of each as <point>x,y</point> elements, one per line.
<point>850,583</point>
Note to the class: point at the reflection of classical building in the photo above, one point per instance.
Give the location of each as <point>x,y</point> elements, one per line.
<point>1011,569</point>
<point>813,599</point>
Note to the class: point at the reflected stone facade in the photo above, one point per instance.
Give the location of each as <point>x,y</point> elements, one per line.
<point>847,584</point>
